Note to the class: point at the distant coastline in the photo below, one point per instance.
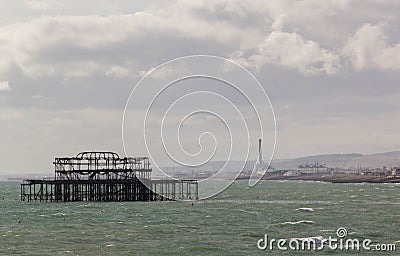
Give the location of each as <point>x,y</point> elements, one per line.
<point>335,178</point>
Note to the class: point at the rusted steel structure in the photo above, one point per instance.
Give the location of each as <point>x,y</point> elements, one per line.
<point>104,176</point>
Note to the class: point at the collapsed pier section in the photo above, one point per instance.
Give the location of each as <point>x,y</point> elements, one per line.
<point>104,176</point>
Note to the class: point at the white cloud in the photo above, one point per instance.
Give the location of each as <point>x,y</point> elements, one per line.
<point>4,86</point>
<point>165,73</point>
<point>291,51</point>
<point>119,72</point>
<point>368,48</point>
<point>43,5</point>
<point>54,45</point>
<point>68,46</point>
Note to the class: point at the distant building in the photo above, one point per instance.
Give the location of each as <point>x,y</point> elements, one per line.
<point>292,173</point>
<point>314,168</point>
<point>395,172</point>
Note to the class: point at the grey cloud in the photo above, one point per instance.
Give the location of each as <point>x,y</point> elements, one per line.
<point>88,43</point>
<point>330,68</point>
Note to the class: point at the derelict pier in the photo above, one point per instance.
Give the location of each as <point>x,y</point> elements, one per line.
<point>104,176</point>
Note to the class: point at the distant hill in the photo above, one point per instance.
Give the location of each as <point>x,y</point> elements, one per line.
<point>394,154</point>
<point>348,161</point>
<point>332,160</point>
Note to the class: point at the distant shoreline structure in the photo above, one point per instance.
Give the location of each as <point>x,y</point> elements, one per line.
<point>333,178</point>
<point>344,168</point>
<point>343,178</point>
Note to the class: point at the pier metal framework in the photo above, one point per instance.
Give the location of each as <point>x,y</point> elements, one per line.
<point>104,176</point>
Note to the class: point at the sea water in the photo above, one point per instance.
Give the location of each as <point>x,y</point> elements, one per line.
<point>228,224</point>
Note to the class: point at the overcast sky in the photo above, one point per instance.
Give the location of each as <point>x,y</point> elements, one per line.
<point>330,68</point>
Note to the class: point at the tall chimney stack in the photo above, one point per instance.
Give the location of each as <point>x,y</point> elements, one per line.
<point>259,151</point>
